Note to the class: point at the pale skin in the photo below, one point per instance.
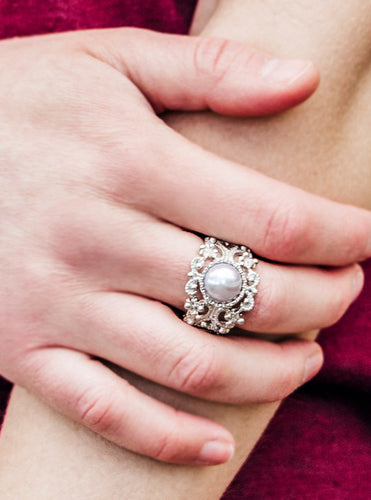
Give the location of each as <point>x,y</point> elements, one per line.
<point>62,447</point>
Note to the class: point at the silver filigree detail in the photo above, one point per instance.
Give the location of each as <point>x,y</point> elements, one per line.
<point>201,309</point>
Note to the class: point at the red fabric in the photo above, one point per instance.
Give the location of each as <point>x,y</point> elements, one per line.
<point>318,446</point>
<point>30,17</point>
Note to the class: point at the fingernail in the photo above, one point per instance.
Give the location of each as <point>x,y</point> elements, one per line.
<point>313,365</point>
<point>216,452</point>
<point>284,72</point>
<point>358,281</point>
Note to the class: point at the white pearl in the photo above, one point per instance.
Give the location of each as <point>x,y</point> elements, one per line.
<point>222,282</point>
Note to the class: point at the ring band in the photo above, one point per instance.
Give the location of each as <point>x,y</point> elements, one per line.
<point>222,286</point>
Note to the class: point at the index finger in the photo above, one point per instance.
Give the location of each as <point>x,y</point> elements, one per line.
<point>208,194</point>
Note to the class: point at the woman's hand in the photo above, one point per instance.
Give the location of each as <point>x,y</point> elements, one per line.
<point>96,194</point>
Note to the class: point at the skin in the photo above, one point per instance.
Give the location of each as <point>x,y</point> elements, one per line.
<point>78,275</point>
<point>166,480</point>
<point>326,138</point>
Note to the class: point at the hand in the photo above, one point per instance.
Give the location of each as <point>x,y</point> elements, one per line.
<point>95,192</point>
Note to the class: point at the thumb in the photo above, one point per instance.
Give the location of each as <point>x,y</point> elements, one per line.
<point>193,73</point>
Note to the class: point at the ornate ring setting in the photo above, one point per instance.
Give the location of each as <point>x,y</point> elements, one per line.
<point>222,286</point>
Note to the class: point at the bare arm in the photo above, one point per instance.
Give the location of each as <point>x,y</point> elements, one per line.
<point>309,147</point>
<point>322,146</point>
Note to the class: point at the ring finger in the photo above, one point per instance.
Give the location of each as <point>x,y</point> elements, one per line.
<point>154,259</point>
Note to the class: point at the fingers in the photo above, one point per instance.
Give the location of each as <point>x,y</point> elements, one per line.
<point>294,299</point>
<point>207,194</point>
<point>190,73</point>
<point>290,299</point>
<point>147,338</point>
<point>153,259</point>
<point>92,395</point>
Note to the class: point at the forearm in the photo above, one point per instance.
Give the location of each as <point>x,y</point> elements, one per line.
<point>323,145</point>
<point>49,456</point>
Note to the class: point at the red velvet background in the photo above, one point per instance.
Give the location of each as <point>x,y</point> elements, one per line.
<point>319,444</point>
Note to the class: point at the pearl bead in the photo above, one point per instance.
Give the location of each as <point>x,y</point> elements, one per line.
<point>222,282</point>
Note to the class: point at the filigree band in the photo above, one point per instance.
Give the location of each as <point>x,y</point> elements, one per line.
<point>222,286</point>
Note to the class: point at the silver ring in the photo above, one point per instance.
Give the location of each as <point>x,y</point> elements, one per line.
<point>222,286</point>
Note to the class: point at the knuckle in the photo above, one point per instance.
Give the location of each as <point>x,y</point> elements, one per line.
<point>212,57</point>
<point>121,176</point>
<point>24,316</point>
<point>168,446</point>
<point>285,232</point>
<point>120,173</point>
<point>196,371</point>
<point>273,307</point>
<point>268,313</point>
<point>96,410</point>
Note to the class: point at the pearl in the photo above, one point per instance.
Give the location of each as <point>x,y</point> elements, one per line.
<point>222,282</point>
